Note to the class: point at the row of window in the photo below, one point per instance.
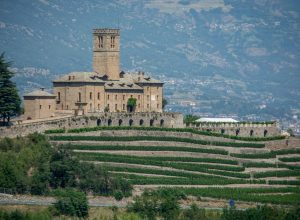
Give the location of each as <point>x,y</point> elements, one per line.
<point>101,42</point>
<point>98,96</point>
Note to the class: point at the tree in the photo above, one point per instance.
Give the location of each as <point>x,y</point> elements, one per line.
<point>164,103</point>
<point>73,203</point>
<point>131,103</point>
<point>9,99</point>
<point>291,132</point>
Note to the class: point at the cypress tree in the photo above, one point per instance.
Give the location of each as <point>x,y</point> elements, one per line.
<point>9,98</point>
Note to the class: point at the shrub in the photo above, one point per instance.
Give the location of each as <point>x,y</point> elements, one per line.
<point>118,195</point>
<point>72,203</point>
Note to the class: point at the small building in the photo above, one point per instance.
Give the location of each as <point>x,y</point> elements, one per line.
<point>39,104</point>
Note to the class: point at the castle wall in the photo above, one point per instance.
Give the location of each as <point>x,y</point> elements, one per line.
<point>240,129</point>
<point>170,120</point>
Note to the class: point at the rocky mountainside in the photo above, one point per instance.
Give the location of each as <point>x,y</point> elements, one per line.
<point>219,57</point>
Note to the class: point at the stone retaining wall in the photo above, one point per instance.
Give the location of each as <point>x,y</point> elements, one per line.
<point>240,129</point>
<point>169,120</point>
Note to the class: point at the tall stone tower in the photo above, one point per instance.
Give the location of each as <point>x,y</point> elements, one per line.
<point>106,52</point>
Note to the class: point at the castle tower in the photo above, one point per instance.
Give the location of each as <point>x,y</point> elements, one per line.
<point>106,52</point>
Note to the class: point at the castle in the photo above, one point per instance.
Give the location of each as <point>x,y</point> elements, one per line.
<point>106,89</point>
<point>110,97</point>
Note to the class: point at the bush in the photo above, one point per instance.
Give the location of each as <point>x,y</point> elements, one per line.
<point>72,203</point>
<point>118,195</point>
<point>55,131</point>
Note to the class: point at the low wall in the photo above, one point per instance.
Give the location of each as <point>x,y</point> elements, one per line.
<point>239,129</point>
<point>168,119</point>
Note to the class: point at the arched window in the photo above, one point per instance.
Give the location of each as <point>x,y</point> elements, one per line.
<point>98,122</point>
<point>265,133</point>
<point>237,131</point>
<point>162,122</point>
<point>141,122</point>
<point>120,122</point>
<point>130,122</point>
<point>222,131</point>
<point>251,133</point>
<point>109,122</point>
<point>79,97</point>
<point>100,38</point>
<point>151,122</point>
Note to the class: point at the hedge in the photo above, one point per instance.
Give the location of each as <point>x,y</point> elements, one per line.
<point>55,131</point>
<point>205,168</point>
<point>262,195</point>
<point>287,151</point>
<point>289,159</point>
<point>145,148</point>
<point>189,130</point>
<point>285,182</point>
<point>279,173</point>
<point>213,179</point>
<point>254,156</point>
<point>163,159</point>
<point>154,138</point>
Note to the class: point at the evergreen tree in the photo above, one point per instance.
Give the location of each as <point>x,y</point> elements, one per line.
<point>9,98</point>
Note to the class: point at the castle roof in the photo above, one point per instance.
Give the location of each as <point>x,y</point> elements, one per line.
<point>81,77</point>
<point>39,93</point>
<point>122,84</point>
<point>140,77</point>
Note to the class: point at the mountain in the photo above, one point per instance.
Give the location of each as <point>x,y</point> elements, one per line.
<point>218,57</point>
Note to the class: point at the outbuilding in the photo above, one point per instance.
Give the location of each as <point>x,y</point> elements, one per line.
<point>39,104</point>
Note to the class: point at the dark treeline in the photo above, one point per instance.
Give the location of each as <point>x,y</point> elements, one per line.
<point>32,165</point>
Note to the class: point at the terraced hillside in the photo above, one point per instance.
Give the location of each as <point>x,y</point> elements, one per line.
<point>261,170</point>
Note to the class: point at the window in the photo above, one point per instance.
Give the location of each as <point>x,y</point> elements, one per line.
<point>157,97</point>
<point>123,97</point>
<point>148,88</point>
<point>49,106</point>
<point>147,105</point>
<point>100,38</point>
<point>148,97</point>
<point>67,107</point>
<point>112,42</point>
<point>139,97</point>
<point>107,97</point>
<point>91,95</point>
<point>40,106</point>
<point>58,95</point>
<point>116,107</point>
<point>131,96</point>
<point>98,106</point>
<point>91,106</point>
<point>98,95</point>
<point>116,97</point>
<point>139,105</point>
<point>123,106</point>
<point>79,97</point>
<point>157,105</point>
